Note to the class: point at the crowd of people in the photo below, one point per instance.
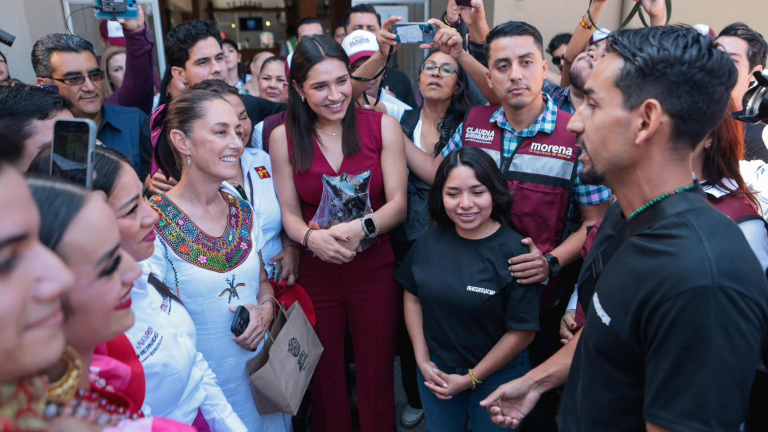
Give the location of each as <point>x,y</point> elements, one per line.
<point>569,249</point>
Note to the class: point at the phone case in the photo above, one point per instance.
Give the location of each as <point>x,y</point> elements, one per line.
<point>240,321</point>
<point>132,9</point>
<point>466,3</point>
<point>414,33</point>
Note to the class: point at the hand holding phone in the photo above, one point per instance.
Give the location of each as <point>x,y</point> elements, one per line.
<point>414,33</point>
<point>277,271</point>
<point>240,321</point>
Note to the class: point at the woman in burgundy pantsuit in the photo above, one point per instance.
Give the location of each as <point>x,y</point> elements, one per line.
<point>325,134</point>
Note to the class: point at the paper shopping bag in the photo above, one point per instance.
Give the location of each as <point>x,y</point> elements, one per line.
<point>281,372</point>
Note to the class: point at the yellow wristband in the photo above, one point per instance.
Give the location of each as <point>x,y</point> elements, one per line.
<point>475,381</point>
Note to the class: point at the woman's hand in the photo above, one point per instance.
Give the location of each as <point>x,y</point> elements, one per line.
<point>289,258</point>
<point>260,318</point>
<point>447,39</point>
<point>328,246</point>
<point>159,183</point>
<point>353,231</point>
<point>567,327</point>
<point>442,385</point>
<point>386,38</point>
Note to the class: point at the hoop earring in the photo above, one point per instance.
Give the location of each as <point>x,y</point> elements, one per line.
<point>189,161</point>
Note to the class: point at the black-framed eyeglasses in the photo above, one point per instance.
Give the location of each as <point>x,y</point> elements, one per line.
<point>445,70</point>
<point>94,76</point>
<point>557,60</point>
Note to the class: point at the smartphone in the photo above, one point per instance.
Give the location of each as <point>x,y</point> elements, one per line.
<point>114,9</point>
<point>414,33</point>
<point>74,142</point>
<point>466,3</point>
<point>277,271</point>
<point>240,321</point>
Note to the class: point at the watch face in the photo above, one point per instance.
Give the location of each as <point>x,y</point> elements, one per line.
<point>370,226</point>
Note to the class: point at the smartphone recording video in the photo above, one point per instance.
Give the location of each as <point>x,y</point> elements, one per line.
<point>414,33</point>
<point>74,141</point>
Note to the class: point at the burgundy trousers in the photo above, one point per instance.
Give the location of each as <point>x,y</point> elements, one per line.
<point>364,294</point>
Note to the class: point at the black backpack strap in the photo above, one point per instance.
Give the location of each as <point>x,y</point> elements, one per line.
<point>408,122</point>
<point>595,264</point>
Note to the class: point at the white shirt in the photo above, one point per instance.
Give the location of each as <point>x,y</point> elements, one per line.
<point>260,191</point>
<point>256,136</point>
<point>395,107</point>
<point>190,261</point>
<point>178,379</point>
<point>754,230</point>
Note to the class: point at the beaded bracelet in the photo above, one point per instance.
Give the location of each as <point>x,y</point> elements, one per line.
<point>452,24</point>
<point>588,27</point>
<point>306,238</point>
<point>475,381</point>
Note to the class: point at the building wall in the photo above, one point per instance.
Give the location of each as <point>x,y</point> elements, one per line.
<point>28,20</point>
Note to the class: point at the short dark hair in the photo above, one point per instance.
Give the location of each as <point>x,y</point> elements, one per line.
<point>310,20</point>
<point>512,29</point>
<point>338,24</point>
<point>184,36</point>
<point>57,42</point>
<point>232,43</point>
<point>272,60</point>
<point>487,172</point>
<point>59,202</point>
<point>216,86</point>
<point>361,8</point>
<point>557,41</point>
<point>108,164</point>
<point>682,69</point>
<point>20,105</point>
<point>758,48</point>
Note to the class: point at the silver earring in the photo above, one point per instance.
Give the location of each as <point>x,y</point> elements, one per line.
<point>303,100</point>
<point>189,161</point>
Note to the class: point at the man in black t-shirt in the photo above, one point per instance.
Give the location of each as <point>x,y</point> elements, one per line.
<point>679,312</point>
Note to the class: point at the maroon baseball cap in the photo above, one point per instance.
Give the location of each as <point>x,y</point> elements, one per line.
<point>113,32</point>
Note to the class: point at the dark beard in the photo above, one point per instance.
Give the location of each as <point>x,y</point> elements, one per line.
<point>589,176</point>
<point>577,80</point>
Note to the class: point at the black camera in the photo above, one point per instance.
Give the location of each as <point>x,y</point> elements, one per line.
<point>7,38</point>
<point>755,102</point>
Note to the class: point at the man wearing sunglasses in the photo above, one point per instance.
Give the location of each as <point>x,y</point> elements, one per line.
<point>69,62</point>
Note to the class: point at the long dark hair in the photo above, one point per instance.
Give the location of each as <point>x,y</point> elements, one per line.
<point>461,102</point>
<point>486,171</point>
<point>721,160</point>
<point>107,164</point>
<point>59,202</point>
<point>300,119</point>
<point>182,115</point>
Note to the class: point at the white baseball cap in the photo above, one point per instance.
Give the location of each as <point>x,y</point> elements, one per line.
<point>598,35</point>
<point>360,44</point>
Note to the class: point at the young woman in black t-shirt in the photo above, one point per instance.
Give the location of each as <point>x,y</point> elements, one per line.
<point>469,320</point>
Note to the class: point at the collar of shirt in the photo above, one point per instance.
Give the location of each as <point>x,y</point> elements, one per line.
<point>108,115</point>
<point>545,123</point>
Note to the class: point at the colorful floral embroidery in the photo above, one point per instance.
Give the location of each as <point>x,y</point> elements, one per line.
<point>220,254</point>
<point>232,290</point>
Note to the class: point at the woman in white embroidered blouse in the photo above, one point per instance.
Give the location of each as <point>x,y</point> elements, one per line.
<point>179,383</point>
<point>208,246</point>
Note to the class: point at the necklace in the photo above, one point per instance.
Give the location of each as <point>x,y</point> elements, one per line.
<point>657,200</point>
<point>326,133</point>
<point>63,390</point>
